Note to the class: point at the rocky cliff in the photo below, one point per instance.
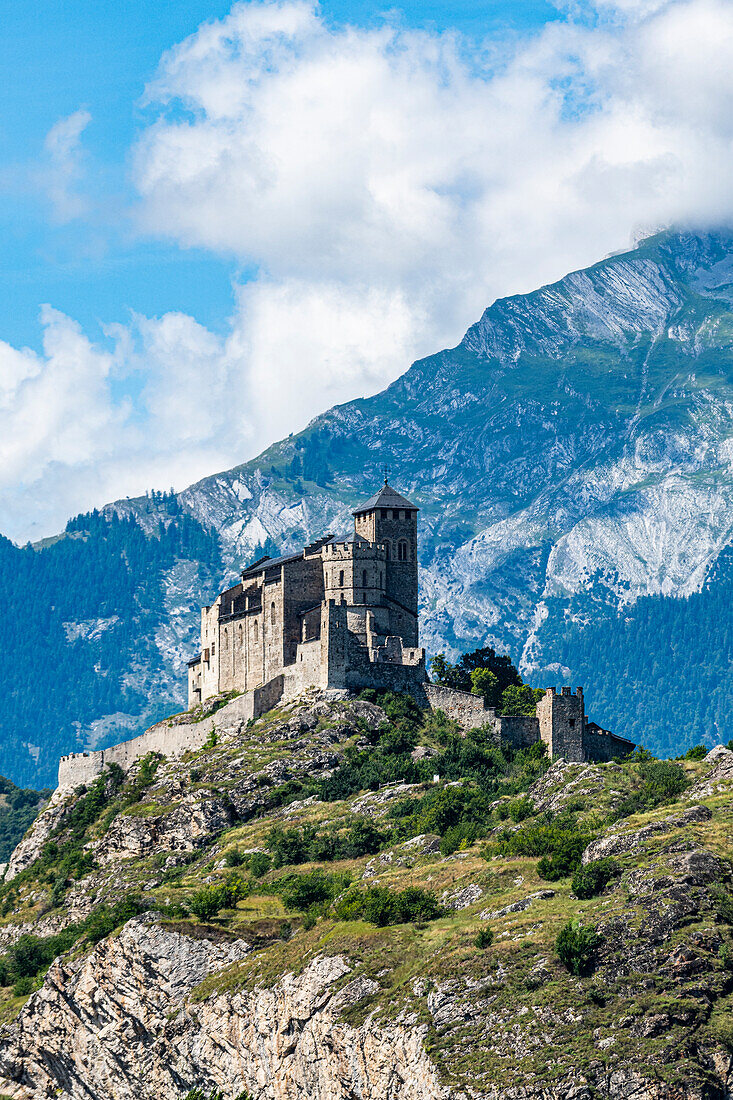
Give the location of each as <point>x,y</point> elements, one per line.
<point>300,910</point>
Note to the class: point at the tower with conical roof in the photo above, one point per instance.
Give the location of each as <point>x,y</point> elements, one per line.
<point>389,520</point>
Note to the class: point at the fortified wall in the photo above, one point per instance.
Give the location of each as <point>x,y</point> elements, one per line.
<point>170,738</point>
<point>560,723</point>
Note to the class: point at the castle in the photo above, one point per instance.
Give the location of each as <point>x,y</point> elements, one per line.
<point>342,613</point>
<point>339,615</point>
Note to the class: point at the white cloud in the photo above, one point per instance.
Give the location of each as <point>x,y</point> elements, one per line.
<point>384,185</point>
<point>63,172</point>
<point>388,163</point>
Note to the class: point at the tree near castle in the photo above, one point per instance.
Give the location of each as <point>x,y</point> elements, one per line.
<point>489,674</point>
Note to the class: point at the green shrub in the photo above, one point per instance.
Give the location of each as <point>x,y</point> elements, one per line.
<point>722,902</point>
<point>147,768</point>
<point>576,946</point>
<point>207,902</point>
<point>103,920</point>
<point>662,781</point>
<point>258,864</point>
<point>302,892</point>
<point>521,808</point>
<point>210,900</point>
<point>591,880</point>
<point>234,857</point>
<point>697,752</point>
<point>381,906</point>
<point>484,939</point>
<point>560,843</point>
<point>24,986</point>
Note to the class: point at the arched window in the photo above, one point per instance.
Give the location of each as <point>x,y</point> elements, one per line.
<point>402,551</point>
<point>364,578</point>
<point>341,578</point>
<point>272,612</point>
<point>255,630</point>
<point>226,639</point>
<point>241,642</point>
<point>387,549</point>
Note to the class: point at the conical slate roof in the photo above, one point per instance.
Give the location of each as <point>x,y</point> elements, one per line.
<point>387,497</point>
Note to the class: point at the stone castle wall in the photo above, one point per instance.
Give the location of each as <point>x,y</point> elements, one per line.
<point>169,738</point>
<point>562,723</point>
<point>470,711</point>
<point>519,730</point>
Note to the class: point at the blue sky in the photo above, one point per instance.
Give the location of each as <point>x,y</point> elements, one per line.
<point>58,58</point>
<point>218,219</point>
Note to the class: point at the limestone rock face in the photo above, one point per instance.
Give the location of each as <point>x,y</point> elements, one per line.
<point>120,1025</point>
<point>30,846</point>
<point>623,843</point>
<point>183,829</point>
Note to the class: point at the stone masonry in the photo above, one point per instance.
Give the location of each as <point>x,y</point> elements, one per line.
<point>341,613</point>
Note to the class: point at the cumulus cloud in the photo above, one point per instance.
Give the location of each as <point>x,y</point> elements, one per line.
<point>63,171</point>
<point>415,170</point>
<point>383,185</point>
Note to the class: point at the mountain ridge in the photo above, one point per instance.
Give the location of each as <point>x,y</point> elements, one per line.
<point>575,448</point>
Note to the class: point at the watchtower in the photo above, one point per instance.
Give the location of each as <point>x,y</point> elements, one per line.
<point>562,723</point>
<point>390,520</point>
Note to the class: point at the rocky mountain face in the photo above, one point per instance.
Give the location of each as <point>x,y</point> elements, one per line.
<point>226,950</point>
<point>572,459</point>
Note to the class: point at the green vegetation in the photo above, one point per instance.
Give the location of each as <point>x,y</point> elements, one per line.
<point>576,946</point>
<point>306,845</point>
<point>484,938</point>
<point>210,900</point>
<point>661,782</point>
<point>592,879</point>
<point>382,906</point>
<point>18,809</point>
<point>484,672</point>
<point>558,840</point>
<point>28,959</point>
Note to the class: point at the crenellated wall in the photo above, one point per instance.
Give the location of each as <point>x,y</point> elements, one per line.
<point>170,738</point>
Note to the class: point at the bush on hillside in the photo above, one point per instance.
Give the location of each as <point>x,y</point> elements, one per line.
<point>484,939</point>
<point>210,900</point>
<point>576,946</point>
<point>381,906</point>
<point>662,781</point>
<point>592,879</point>
<point>303,892</point>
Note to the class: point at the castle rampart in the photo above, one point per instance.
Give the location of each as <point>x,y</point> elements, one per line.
<point>169,738</point>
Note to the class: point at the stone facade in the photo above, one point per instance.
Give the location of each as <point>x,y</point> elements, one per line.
<point>560,722</point>
<point>341,613</point>
<point>171,738</point>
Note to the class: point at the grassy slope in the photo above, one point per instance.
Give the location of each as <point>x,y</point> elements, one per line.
<point>514,1013</point>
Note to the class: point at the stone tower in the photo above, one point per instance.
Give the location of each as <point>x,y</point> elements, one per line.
<point>390,520</point>
<point>562,723</point>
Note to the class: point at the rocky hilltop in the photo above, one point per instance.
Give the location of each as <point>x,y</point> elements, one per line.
<point>572,459</point>
<point>353,899</point>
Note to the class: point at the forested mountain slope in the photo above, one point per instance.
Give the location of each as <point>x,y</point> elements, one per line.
<point>573,459</point>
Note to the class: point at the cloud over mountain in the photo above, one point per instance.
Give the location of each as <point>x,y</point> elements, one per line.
<point>374,189</point>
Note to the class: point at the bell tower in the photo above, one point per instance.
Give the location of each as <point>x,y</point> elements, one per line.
<point>390,520</point>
